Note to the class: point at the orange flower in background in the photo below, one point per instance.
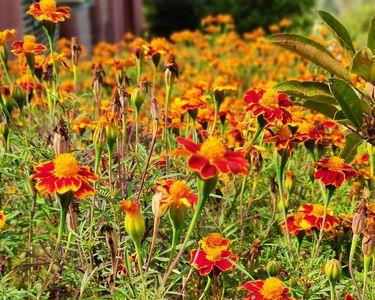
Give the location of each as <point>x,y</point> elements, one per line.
<point>214,257</point>
<point>296,224</point>
<point>176,193</point>
<point>2,219</point>
<point>270,289</point>
<point>64,174</point>
<point>6,35</point>
<point>212,157</point>
<point>333,171</point>
<point>313,215</point>
<point>28,46</point>
<point>284,139</point>
<point>47,10</point>
<point>270,104</point>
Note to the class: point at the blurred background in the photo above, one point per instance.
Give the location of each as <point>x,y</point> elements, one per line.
<point>96,21</point>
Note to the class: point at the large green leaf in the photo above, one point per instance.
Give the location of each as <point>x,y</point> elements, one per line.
<point>326,109</point>
<point>364,65</point>
<point>310,50</point>
<point>347,99</point>
<point>340,31</point>
<point>371,36</point>
<point>303,88</point>
<point>350,149</point>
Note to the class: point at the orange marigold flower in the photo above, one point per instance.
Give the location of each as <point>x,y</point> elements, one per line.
<point>313,215</point>
<point>2,219</point>
<point>284,139</point>
<point>214,257</point>
<point>270,289</point>
<point>64,174</point>
<point>47,10</point>
<point>28,46</point>
<point>6,35</point>
<point>176,193</point>
<point>297,224</point>
<point>212,157</point>
<point>270,104</point>
<point>333,171</point>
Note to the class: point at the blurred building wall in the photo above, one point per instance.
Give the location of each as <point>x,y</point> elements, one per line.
<point>92,21</point>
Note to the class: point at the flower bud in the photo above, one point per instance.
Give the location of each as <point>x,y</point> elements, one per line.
<point>134,220</point>
<point>177,215</point>
<point>333,270</point>
<point>19,95</point>
<point>2,219</point>
<point>358,223</point>
<point>368,245</point>
<point>6,98</point>
<point>170,71</point>
<point>273,268</point>
<point>60,138</point>
<point>137,98</point>
<point>155,111</point>
<point>99,136</point>
<point>112,132</point>
<point>289,181</point>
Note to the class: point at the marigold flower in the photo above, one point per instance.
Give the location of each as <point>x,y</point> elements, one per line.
<point>28,46</point>
<point>64,174</point>
<point>134,220</point>
<point>2,219</point>
<point>270,289</point>
<point>176,193</point>
<point>212,157</point>
<point>333,171</point>
<point>270,104</point>
<point>313,215</point>
<point>214,257</point>
<point>6,35</point>
<point>46,10</point>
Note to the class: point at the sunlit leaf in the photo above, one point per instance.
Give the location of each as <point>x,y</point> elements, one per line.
<point>371,36</point>
<point>350,149</point>
<point>364,65</point>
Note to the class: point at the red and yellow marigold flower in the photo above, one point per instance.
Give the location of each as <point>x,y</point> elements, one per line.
<point>284,139</point>
<point>64,174</point>
<point>313,214</point>
<point>296,224</point>
<point>214,256</point>
<point>333,171</point>
<point>270,289</point>
<point>28,46</point>
<point>47,10</point>
<point>2,219</point>
<point>212,157</point>
<point>176,193</point>
<point>270,104</point>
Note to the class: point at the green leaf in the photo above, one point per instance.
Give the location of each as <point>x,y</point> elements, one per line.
<point>348,100</point>
<point>364,65</point>
<point>326,109</point>
<point>350,149</point>
<point>339,30</point>
<point>310,50</point>
<point>303,88</point>
<point>371,36</point>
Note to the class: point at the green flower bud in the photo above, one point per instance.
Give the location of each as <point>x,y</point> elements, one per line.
<point>333,270</point>
<point>273,268</point>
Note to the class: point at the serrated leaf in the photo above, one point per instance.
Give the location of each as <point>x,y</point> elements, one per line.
<point>371,36</point>
<point>339,30</point>
<point>326,109</point>
<point>364,65</point>
<point>303,88</point>
<point>350,149</point>
<point>348,100</point>
<point>310,50</point>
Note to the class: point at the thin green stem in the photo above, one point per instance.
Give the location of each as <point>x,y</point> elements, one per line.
<point>217,107</point>
<point>366,265</point>
<point>208,285</point>
<point>5,67</point>
<point>333,291</point>
<point>140,266</point>
<point>351,269</point>
<point>166,133</point>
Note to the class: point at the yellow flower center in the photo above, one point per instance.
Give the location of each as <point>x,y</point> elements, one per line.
<point>66,165</point>
<point>318,210</point>
<point>47,6</point>
<point>213,245</point>
<point>270,99</point>
<point>179,189</point>
<point>28,42</point>
<point>212,149</point>
<point>335,163</point>
<point>272,288</point>
<point>284,132</point>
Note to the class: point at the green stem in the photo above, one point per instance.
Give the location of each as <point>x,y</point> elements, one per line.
<point>351,257</point>
<point>208,285</point>
<point>98,154</point>
<point>175,237</point>
<point>5,67</point>
<point>140,266</point>
<point>217,107</point>
<point>167,100</point>
<point>366,265</point>
<point>136,129</point>
<point>333,292</point>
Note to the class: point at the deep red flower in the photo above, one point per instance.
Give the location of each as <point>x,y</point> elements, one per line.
<point>313,215</point>
<point>212,157</point>
<point>271,104</point>
<point>333,171</point>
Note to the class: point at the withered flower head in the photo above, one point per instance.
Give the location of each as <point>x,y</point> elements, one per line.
<point>124,98</point>
<point>170,70</point>
<point>75,51</point>
<point>368,128</point>
<point>368,245</point>
<point>115,106</point>
<point>155,111</point>
<point>61,138</point>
